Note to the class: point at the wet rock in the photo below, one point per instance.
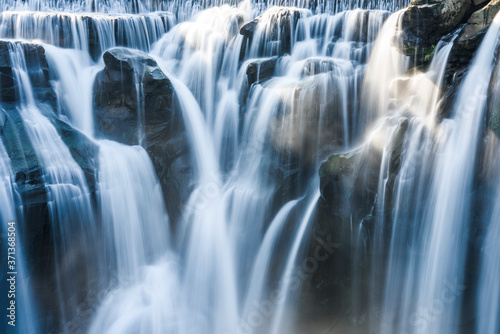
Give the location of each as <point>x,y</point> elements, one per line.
<point>475,29</point>
<point>494,121</point>
<point>312,113</point>
<point>272,30</point>
<point>248,29</point>
<point>97,31</point>
<point>425,22</point>
<point>26,168</point>
<point>36,66</point>
<point>350,177</point>
<point>349,182</point>
<point>84,150</point>
<point>257,71</point>
<point>135,103</point>
<point>342,232</point>
<point>261,70</point>
<point>131,85</point>
<point>313,66</point>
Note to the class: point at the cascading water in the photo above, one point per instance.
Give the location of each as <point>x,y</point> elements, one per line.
<point>13,255</point>
<point>180,185</point>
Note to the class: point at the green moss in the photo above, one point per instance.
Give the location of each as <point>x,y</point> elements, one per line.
<point>423,54</point>
<point>429,53</point>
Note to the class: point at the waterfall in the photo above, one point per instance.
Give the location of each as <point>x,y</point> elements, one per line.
<point>21,294</point>
<point>410,188</point>
<point>175,166</point>
<point>488,302</point>
<point>442,263</point>
<point>65,183</point>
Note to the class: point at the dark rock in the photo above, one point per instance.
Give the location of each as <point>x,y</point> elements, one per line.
<point>26,168</point>
<point>349,182</point>
<point>84,151</point>
<point>494,121</point>
<point>248,29</point>
<point>99,29</point>
<point>261,70</point>
<point>36,66</point>
<point>313,66</point>
<point>257,71</point>
<point>425,22</point>
<point>39,227</point>
<point>475,29</point>
<point>117,100</point>
<point>274,30</point>
<point>131,85</point>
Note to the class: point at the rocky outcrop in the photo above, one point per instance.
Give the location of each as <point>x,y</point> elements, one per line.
<point>311,112</point>
<point>473,32</point>
<point>260,70</point>
<point>346,218</point>
<point>135,103</point>
<point>349,182</point>
<point>36,66</point>
<point>271,33</point>
<point>425,22</point>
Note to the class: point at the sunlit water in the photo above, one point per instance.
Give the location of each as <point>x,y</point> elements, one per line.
<point>337,84</point>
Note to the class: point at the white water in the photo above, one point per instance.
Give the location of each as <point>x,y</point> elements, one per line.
<point>73,71</point>
<point>488,303</point>
<point>411,188</point>
<point>26,313</point>
<point>211,274</point>
<point>447,218</point>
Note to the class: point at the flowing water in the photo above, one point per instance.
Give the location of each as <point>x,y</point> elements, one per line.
<point>262,109</point>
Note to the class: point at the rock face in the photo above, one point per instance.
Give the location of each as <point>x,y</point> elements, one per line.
<point>425,22</point>
<point>261,70</point>
<point>272,31</point>
<point>36,228</point>
<point>37,67</point>
<point>311,112</point>
<point>349,185</point>
<point>135,103</point>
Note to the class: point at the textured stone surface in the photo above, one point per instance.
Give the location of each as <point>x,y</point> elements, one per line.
<point>118,104</point>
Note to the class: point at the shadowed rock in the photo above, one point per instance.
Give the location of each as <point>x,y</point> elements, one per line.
<point>135,103</point>
<point>272,31</point>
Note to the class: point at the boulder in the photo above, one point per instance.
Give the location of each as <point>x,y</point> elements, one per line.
<point>135,103</point>
<point>426,21</point>
<point>344,225</point>
<point>248,29</point>
<point>313,66</point>
<point>131,81</point>
<point>261,70</point>
<point>272,30</point>
<point>257,71</point>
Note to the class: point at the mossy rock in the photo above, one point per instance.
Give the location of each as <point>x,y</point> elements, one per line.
<point>494,122</point>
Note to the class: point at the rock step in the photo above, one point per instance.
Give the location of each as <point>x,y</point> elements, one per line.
<point>92,32</point>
